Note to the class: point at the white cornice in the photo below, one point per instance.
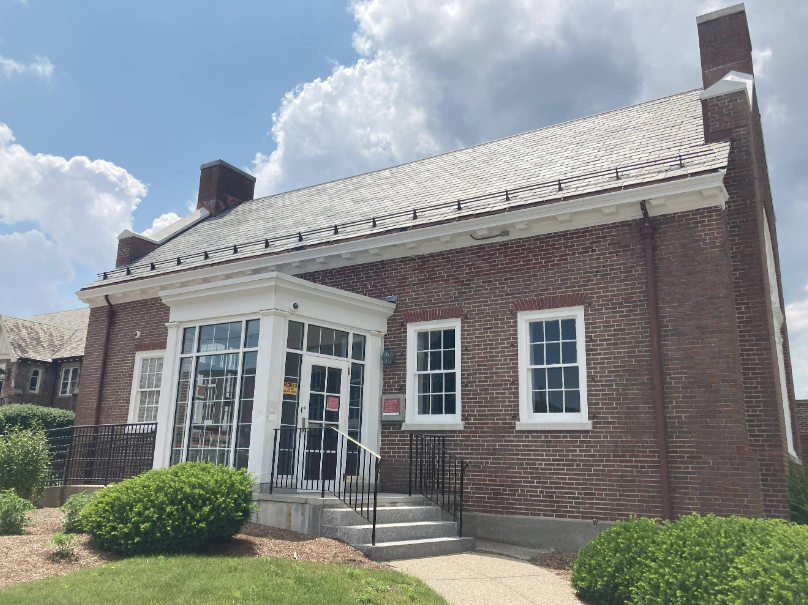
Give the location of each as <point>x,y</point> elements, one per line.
<point>665,198</point>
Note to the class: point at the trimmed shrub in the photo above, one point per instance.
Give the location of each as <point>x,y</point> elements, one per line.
<point>175,509</point>
<point>607,567</point>
<point>63,546</point>
<point>71,521</point>
<point>24,462</point>
<point>12,513</point>
<point>798,493</point>
<point>776,573</point>
<point>691,559</point>
<point>29,416</point>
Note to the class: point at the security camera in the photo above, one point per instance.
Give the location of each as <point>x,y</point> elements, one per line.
<point>294,306</point>
<point>137,333</point>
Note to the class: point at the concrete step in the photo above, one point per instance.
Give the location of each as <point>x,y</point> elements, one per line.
<point>393,532</point>
<point>384,514</point>
<point>415,549</point>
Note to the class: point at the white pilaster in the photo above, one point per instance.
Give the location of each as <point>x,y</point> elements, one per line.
<point>372,417</point>
<point>168,395</point>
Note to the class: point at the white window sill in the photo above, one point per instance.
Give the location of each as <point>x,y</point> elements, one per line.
<point>438,426</point>
<point>554,426</point>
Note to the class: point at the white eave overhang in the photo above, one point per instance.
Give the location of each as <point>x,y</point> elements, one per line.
<point>667,197</point>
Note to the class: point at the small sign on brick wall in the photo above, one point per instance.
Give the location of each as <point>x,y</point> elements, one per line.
<point>392,408</point>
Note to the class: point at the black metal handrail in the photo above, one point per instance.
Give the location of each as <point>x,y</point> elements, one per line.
<point>325,459</point>
<point>437,474</point>
<point>100,454</point>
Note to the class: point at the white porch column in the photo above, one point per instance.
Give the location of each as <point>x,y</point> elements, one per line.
<point>268,389</point>
<point>372,421</point>
<point>165,410</point>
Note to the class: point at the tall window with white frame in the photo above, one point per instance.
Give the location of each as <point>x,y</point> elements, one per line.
<point>215,391</point>
<point>433,372</point>
<point>69,381</point>
<point>148,381</point>
<point>35,379</point>
<point>552,366</point>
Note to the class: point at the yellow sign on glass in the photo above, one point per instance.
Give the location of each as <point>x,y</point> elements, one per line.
<point>290,388</point>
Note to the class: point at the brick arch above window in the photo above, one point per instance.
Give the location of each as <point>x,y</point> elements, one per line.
<point>418,315</point>
<point>557,301</point>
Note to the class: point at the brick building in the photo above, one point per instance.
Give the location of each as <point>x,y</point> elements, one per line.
<point>41,358</point>
<point>590,313</point>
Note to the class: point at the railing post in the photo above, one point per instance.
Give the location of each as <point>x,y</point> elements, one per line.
<point>272,469</point>
<point>375,496</point>
<point>109,456</point>
<point>462,475</point>
<point>443,469</point>
<point>409,476</point>
<point>322,461</point>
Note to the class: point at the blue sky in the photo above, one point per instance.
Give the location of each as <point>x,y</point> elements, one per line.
<point>107,109</point>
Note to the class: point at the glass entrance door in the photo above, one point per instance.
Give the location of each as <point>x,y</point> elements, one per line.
<point>325,403</point>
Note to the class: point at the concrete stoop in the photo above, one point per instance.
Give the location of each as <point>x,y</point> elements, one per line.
<point>404,530</point>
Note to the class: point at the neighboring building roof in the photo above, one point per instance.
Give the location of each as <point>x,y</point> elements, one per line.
<point>48,337</point>
<point>643,142</point>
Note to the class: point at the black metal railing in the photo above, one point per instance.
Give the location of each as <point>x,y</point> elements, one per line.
<point>327,460</point>
<point>100,454</point>
<point>437,474</point>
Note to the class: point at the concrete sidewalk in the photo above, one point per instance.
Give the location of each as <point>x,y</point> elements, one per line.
<point>482,577</point>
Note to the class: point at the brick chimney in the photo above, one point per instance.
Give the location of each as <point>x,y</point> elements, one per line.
<point>222,185</point>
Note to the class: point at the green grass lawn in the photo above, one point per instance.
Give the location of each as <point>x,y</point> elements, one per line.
<point>191,580</point>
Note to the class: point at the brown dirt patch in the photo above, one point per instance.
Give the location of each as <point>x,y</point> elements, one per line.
<point>25,558</point>
<point>559,563</point>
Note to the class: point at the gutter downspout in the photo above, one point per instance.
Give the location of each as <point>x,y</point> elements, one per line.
<point>647,231</point>
<point>110,317</point>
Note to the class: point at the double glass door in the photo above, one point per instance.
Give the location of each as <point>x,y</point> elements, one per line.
<point>324,406</point>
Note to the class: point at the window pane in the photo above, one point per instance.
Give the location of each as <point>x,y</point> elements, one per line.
<point>423,404</point>
<point>251,337</point>
<point>437,404</point>
<point>569,352</point>
<point>188,340</point>
<point>449,339</point>
<point>435,339</point>
<point>571,378</point>
<point>553,353</point>
<point>334,384</point>
<point>554,378</point>
<point>449,383</point>
<point>220,337</point>
<point>423,341</point>
<point>294,339</point>
<point>326,341</point>
<point>313,339</point>
<point>539,379</point>
<point>422,361</point>
<point>540,402</point>
<point>537,355</point>
<point>183,397</point>
<point>437,383</point>
<point>234,336</point>
<point>424,384</point>
<point>552,331</point>
<point>340,343</point>
<point>572,402</point>
<point>358,347</point>
<point>567,329</point>
<point>435,360</point>
<point>448,360</point>
<point>317,383</point>
<point>449,404</point>
<point>555,401</point>
<point>537,331</point>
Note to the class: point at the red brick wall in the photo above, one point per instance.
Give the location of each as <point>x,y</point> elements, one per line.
<point>149,317</point>
<point>612,471</point>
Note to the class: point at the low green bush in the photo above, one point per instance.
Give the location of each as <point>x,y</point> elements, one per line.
<point>696,561</point>
<point>13,510</point>
<point>175,509</point>
<point>607,567</point>
<point>63,546</point>
<point>71,520</point>
<point>798,493</point>
<point>29,416</point>
<point>24,462</point>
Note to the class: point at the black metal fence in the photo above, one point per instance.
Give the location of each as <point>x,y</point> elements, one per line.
<point>437,474</point>
<point>327,460</point>
<point>100,454</point>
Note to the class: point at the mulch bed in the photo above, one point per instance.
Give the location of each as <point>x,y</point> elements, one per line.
<point>27,557</point>
<point>559,563</point>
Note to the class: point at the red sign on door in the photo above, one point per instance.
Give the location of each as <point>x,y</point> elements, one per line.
<point>332,404</point>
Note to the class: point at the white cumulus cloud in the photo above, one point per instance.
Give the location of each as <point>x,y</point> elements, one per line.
<point>40,67</point>
<point>161,222</point>
<point>77,206</point>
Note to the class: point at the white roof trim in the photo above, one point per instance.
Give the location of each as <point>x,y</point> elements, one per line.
<point>737,8</point>
<point>732,82</point>
<point>166,233</point>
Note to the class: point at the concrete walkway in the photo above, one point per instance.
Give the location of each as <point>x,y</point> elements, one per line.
<point>488,575</point>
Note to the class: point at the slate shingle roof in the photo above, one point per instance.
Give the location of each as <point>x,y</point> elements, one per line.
<point>48,337</point>
<point>649,136</point>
